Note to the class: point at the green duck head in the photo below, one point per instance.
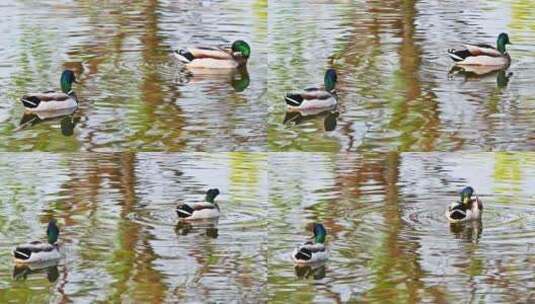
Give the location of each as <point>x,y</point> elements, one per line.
<point>211,195</point>
<point>52,232</point>
<point>241,47</point>
<point>66,80</point>
<point>319,233</point>
<point>466,194</point>
<point>330,80</point>
<point>503,39</point>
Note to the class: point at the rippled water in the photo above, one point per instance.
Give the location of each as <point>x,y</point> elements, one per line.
<point>119,227</point>
<point>388,238</point>
<point>133,94</point>
<point>383,206</point>
<point>387,235</point>
<point>394,90</point>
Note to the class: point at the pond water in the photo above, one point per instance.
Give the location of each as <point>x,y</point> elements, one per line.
<point>388,238</point>
<point>120,232</point>
<point>382,204</point>
<point>133,95</point>
<point>394,88</point>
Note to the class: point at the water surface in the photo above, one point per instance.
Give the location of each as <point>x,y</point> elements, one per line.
<point>120,232</point>
<point>394,89</point>
<point>133,94</point>
<point>388,238</point>
<point>387,235</point>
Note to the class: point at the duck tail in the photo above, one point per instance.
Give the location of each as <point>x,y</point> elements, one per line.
<point>30,102</point>
<point>457,214</point>
<point>184,211</point>
<point>303,254</point>
<point>293,100</point>
<point>458,55</point>
<point>184,55</point>
<point>22,253</point>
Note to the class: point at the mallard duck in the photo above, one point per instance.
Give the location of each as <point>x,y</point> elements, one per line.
<point>202,210</point>
<point>52,100</point>
<point>312,252</point>
<point>483,54</point>
<point>215,58</point>
<point>466,209</point>
<point>314,98</point>
<point>37,251</point>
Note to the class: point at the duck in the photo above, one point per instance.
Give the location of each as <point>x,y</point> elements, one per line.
<point>208,209</point>
<point>215,57</point>
<point>312,252</point>
<point>483,54</point>
<point>466,209</point>
<point>52,100</point>
<point>37,251</point>
<point>312,99</point>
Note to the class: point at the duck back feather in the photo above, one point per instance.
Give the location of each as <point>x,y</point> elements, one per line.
<point>35,252</point>
<point>49,101</point>
<point>310,253</point>
<point>197,211</point>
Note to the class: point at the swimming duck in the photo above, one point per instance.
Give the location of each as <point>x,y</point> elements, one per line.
<point>51,100</point>
<point>312,252</point>
<point>37,251</point>
<point>314,98</point>
<point>215,58</point>
<point>466,209</point>
<point>483,54</point>
<point>202,210</point>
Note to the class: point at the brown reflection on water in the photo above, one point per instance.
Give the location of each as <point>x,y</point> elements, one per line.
<point>415,112</point>
<point>396,273</point>
<point>130,261</point>
<point>394,90</point>
<point>129,95</point>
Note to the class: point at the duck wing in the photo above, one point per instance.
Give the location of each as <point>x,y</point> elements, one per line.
<point>49,96</point>
<point>305,252</point>
<point>482,50</point>
<point>316,94</point>
<point>189,54</point>
<point>33,100</point>
<point>24,252</point>
<point>457,211</point>
<point>186,210</point>
<point>296,99</point>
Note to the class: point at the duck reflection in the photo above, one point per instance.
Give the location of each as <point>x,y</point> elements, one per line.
<point>315,271</point>
<point>237,78</point>
<point>297,117</point>
<point>469,231</point>
<point>200,227</point>
<point>67,120</point>
<point>479,72</point>
<point>21,272</point>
